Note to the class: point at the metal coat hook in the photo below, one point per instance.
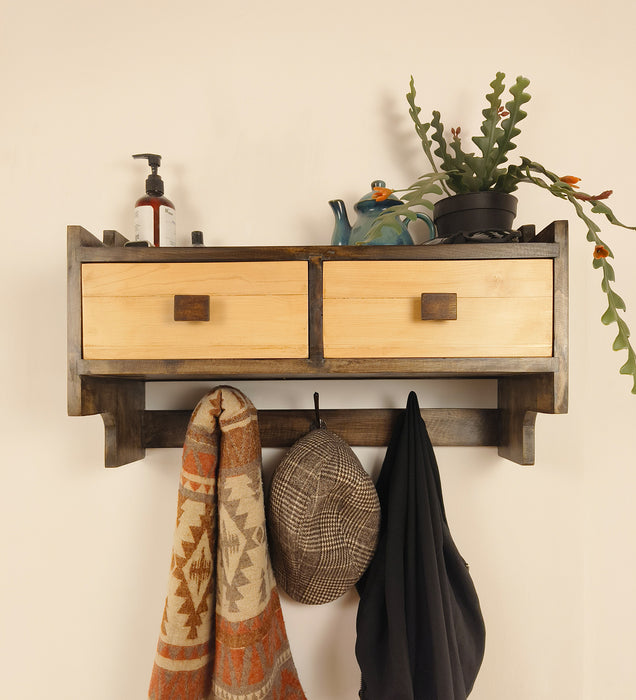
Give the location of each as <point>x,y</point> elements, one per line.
<point>318,423</point>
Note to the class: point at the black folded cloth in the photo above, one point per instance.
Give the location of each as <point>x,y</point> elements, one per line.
<point>420,630</point>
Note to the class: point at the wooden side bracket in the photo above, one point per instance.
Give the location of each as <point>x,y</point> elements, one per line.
<point>521,397</point>
<point>121,405</point>
<point>516,419</point>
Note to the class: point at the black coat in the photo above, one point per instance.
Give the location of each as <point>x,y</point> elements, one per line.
<point>420,631</point>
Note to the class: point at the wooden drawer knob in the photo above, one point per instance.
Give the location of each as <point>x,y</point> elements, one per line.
<point>191,307</point>
<point>439,307</point>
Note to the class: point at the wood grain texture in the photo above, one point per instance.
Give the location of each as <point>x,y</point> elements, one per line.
<point>370,427</point>
<point>474,251</point>
<point>559,235</point>
<point>257,310</point>
<point>78,239</point>
<point>250,278</point>
<point>372,308</point>
<point>121,405</point>
<point>486,327</point>
<point>338,368</point>
<point>316,346</point>
<point>113,238</point>
<point>381,279</point>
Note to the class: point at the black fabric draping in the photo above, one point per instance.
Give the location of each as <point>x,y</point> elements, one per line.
<point>420,630</point>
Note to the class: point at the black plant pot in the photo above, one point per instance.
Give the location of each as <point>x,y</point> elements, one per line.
<point>475,212</point>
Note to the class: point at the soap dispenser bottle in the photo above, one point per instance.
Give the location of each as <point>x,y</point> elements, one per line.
<point>155,220</point>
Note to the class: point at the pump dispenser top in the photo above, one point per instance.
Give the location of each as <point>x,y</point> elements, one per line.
<point>154,214</point>
<point>154,183</point>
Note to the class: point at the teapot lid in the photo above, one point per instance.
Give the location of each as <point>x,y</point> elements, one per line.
<point>368,203</point>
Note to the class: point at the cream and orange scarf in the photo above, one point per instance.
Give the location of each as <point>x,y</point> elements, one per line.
<point>222,633</point>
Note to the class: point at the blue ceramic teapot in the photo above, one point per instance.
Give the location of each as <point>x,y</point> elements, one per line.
<point>367,210</point>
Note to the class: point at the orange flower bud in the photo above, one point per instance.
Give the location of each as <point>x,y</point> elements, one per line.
<point>571,180</point>
<point>600,251</point>
<point>381,193</point>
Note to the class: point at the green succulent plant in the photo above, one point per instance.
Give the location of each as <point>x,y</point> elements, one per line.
<point>456,170</point>
<point>466,171</point>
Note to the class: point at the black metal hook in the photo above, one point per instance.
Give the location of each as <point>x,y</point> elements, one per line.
<point>318,423</point>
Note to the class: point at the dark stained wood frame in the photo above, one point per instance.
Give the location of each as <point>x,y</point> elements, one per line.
<point>116,388</point>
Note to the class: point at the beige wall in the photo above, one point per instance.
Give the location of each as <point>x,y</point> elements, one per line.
<point>263,112</point>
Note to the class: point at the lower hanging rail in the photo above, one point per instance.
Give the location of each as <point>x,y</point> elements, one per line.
<point>357,426</point>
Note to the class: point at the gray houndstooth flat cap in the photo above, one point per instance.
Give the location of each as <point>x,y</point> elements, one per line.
<point>323,519</point>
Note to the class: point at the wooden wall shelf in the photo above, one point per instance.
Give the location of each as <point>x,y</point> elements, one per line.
<point>512,308</point>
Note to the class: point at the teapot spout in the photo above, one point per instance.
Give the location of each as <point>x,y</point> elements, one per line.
<point>342,227</point>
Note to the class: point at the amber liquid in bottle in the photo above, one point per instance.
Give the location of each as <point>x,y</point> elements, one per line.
<point>163,223</point>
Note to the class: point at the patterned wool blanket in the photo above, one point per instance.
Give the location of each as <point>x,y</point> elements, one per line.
<point>222,633</point>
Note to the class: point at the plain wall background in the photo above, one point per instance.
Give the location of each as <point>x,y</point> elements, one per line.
<point>262,113</point>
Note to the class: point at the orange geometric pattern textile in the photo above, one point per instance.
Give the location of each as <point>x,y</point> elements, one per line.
<point>222,633</point>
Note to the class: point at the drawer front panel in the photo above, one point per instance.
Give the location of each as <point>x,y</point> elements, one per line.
<point>256,310</point>
<point>504,308</point>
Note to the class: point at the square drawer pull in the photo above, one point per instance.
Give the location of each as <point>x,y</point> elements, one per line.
<point>191,307</point>
<point>439,306</point>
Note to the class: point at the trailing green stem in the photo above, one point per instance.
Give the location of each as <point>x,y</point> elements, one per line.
<point>615,303</point>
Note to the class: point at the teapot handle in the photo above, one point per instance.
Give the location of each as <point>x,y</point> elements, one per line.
<point>429,223</point>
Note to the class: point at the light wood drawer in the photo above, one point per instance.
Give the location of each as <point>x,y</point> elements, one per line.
<point>373,308</point>
<point>257,310</point>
